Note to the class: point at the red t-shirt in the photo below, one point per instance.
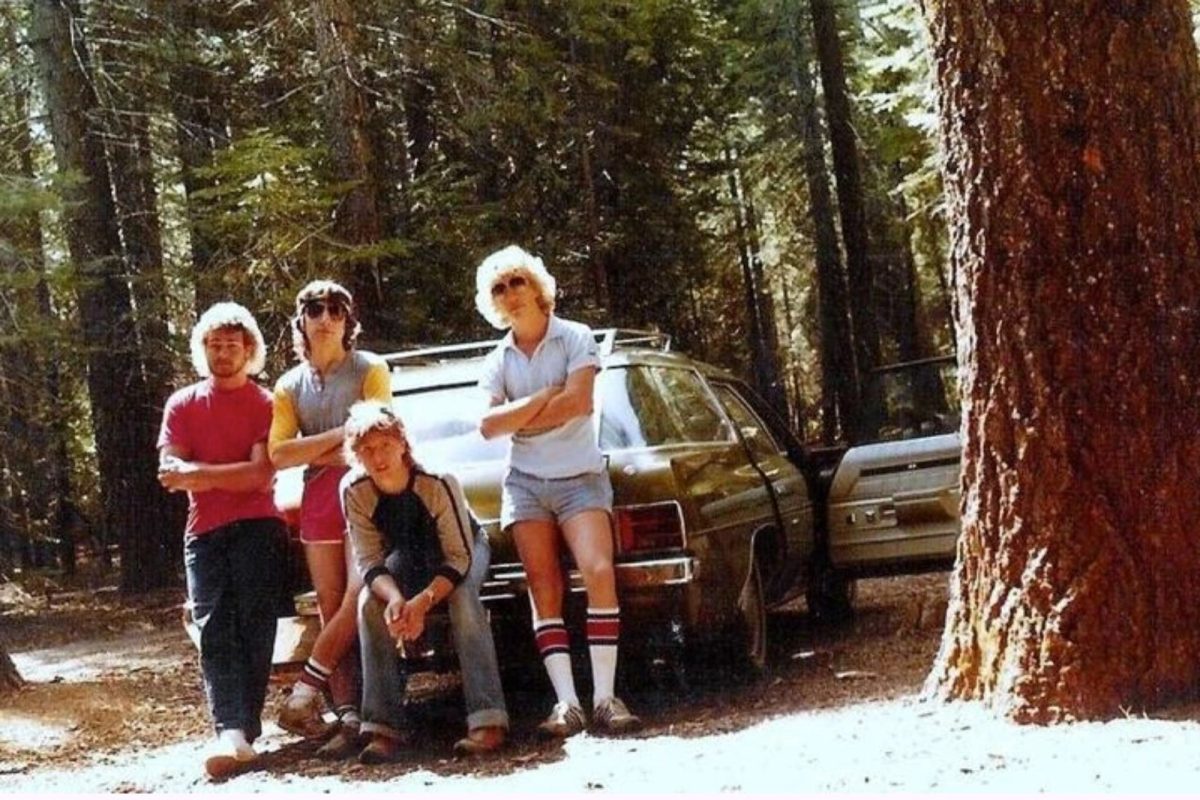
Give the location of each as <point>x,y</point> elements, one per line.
<point>219,427</point>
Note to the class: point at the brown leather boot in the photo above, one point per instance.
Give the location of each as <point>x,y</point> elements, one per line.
<point>480,741</point>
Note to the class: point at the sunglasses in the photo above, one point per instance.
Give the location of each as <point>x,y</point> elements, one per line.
<point>313,309</point>
<point>514,283</point>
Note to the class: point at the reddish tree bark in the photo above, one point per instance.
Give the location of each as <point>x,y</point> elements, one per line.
<point>9,677</point>
<point>1070,131</point>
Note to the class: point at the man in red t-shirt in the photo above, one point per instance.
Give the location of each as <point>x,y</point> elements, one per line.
<point>213,445</point>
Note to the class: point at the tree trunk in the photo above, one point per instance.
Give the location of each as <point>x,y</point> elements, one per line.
<point>763,363</point>
<point>33,360</point>
<point>9,677</point>
<point>1073,181</point>
<point>840,399</point>
<point>853,214</point>
<point>764,304</point>
<point>120,399</point>
<point>197,106</point>
<point>358,218</point>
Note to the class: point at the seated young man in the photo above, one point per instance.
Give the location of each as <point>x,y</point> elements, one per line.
<point>415,546</point>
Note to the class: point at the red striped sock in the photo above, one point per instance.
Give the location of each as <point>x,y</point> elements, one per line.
<point>603,634</point>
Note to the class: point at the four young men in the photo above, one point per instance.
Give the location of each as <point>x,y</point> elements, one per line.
<point>413,541</point>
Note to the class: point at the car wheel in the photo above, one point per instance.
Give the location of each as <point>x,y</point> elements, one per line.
<point>831,598</point>
<point>752,625</point>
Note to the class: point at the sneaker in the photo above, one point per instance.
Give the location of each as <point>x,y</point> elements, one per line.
<point>480,741</point>
<point>225,758</point>
<point>301,715</point>
<point>612,716</point>
<point>345,743</point>
<point>565,720</point>
<point>382,750</point>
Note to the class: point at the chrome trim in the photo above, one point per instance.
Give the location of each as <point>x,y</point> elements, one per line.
<point>507,581</point>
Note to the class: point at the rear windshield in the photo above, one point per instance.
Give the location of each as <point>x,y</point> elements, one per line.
<point>443,426</point>
<point>639,406</point>
<point>919,399</point>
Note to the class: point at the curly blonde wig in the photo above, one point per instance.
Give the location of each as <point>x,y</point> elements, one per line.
<point>228,315</point>
<point>503,262</point>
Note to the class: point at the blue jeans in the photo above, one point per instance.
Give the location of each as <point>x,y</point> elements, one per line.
<point>235,579</point>
<point>385,674</point>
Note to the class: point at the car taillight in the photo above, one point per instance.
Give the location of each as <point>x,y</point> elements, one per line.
<point>657,526</point>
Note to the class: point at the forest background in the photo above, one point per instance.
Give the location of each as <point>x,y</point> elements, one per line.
<point>758,178</point>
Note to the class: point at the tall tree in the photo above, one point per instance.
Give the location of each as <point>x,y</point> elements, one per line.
<point>840,396</point>
<point>31,354</point>
<point>120,399</point>
<point>359,217</point>
<point>852,210</point>
<point>1071,133</point>
<point>198,107</point>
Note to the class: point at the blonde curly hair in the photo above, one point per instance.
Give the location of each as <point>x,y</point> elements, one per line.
<point>366,416</point>
<point>505,261</point>
<point>231,316</point>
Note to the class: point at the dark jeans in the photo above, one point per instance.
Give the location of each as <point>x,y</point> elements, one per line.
<point>235,576</point>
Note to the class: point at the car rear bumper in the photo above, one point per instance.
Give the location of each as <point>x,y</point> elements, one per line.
<point>507,581</point>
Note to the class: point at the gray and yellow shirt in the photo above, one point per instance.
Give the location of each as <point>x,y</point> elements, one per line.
<point>307,403</point>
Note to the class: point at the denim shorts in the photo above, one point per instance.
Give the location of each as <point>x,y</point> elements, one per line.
<point>527,497</point>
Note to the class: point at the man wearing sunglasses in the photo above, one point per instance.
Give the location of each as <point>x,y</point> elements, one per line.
<point>556,490</point>
<point>311,404</point>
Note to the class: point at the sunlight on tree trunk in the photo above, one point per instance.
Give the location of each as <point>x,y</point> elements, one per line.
<point>9,677</point>
<point>1070,133</point>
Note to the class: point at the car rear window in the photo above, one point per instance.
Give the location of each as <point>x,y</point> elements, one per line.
<point>640,406</point>
<point>647,406</point>
<point>443,426</point>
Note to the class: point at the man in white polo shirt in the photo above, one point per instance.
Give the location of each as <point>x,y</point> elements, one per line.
<point>540,379</point>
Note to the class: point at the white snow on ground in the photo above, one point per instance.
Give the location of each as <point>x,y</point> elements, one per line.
<point>897,746</point>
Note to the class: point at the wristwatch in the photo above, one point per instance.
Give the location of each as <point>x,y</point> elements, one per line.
<point>432,597</point>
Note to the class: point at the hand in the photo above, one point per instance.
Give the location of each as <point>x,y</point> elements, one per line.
<point>177,475</point>
<point>412,623</point>
<point>393,615</point>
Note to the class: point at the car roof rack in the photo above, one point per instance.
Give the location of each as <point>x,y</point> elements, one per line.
<point>609,339</point>
<point>612,338</point>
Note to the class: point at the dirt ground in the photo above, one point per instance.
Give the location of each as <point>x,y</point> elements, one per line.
<point>114,704</point>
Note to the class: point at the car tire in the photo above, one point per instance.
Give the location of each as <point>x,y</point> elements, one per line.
<point>831,598</point>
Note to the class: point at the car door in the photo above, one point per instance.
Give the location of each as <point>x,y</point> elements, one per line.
<point>893,504</point>
<point>793,503</point>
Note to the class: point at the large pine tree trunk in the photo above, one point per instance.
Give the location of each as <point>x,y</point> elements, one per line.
<point>120,399</point>
<point>852,210</point>
<point>358,218</point>
<point>9,677</point>
<point>1071,133</point>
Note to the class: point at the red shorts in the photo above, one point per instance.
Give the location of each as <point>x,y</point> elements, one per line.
<point>321,518</point>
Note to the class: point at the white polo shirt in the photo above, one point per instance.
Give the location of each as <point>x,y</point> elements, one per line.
<point>571,448</point>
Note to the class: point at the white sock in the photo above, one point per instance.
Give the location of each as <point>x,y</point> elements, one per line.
<point>236,739</point>
<point>550,635</point>
<point>301,690</point>
<point>603,633</point>
<point>558,667</point>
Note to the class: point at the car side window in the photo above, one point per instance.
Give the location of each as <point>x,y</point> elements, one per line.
<point>758,438</point>
<point>644,406</point>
